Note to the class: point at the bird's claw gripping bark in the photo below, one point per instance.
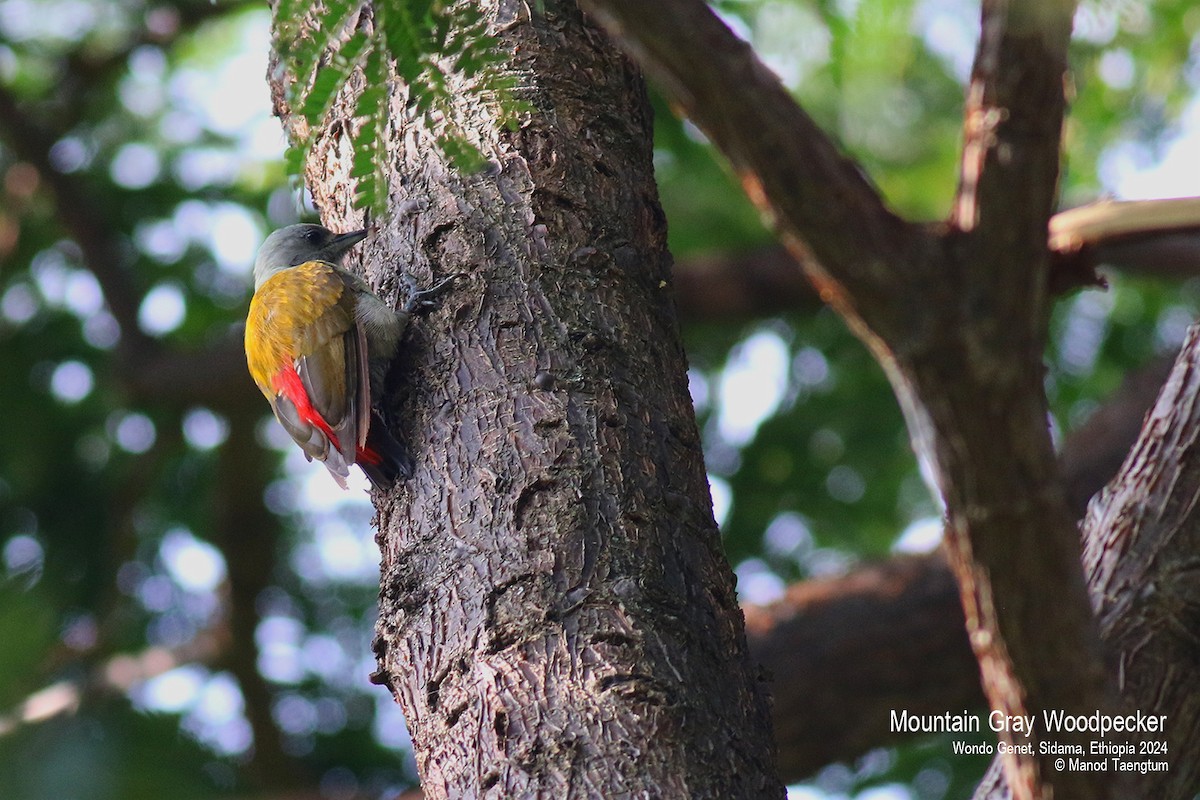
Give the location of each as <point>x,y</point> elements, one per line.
<point>423,299</point>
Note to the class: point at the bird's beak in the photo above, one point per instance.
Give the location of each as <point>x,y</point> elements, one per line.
<point>343,242</point>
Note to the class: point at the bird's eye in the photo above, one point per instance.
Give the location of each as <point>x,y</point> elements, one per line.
<point>313,235</point>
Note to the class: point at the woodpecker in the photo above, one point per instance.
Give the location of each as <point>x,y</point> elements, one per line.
<point>319,343</point>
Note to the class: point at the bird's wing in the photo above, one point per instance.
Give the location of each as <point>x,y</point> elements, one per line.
<point>308,356</point>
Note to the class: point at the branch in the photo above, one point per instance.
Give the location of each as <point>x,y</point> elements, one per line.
<point>1099,224</point>
<point>1152,237</point>
<point>1011,538</point>
<point>1141,537</point>
<point>1155,238</point>
<point>213,375</point>
<point>1015,102</point>
<point>1095,451</point>
<point>723,287</point>
<point>821,201</point>
<point>846,651</point>
<point>978,406</point>
<point>117,674</point>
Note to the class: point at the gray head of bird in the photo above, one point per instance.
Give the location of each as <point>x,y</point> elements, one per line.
<point>297,244</point>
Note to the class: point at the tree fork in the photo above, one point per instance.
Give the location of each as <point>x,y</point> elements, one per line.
<point>956,314</point>
<point>557,617</point>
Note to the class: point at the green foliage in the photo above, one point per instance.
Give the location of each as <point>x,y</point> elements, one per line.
<point>109,751</point>
<point>834,453</point>
<point>437,50</point>
<point>1133,67</point>
<point>708,210</point>
<point>28,629</point>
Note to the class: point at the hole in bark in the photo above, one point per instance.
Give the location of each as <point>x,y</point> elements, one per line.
<point>433,690</point>
<point>543,198</point>
<point>500,725</point>
<point>405,590</point>
<point>532,758</point>
<point>431,695</point>
<point>530,496</point>
<point>438,234</point>
<point>613,681</point>
<point>455,714</point>
<point>490,780</point>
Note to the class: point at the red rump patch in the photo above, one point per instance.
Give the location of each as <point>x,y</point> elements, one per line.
<point>287,382</point>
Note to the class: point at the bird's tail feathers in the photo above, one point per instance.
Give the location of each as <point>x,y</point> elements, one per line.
<point>383,459</point>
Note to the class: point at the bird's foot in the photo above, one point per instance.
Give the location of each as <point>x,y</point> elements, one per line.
<point>424,299</point>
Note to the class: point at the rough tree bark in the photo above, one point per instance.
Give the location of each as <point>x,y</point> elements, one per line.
<point>1142,537</point>
<point>557,616</point>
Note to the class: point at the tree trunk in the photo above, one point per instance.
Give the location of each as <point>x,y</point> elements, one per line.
<point>557,617</point>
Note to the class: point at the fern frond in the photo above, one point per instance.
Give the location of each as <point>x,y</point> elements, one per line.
<point>434,47</point>
<point>369,139</point>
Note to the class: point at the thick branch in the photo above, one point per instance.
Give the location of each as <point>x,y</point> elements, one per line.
<point>1141,537</point>
<point>214,375</point>
<point>720,287</point>
<point>1162,255</point>
<point>556,615</point>
<point>820,200</point>
<point>978,410</point>
<point>725,287</point>
<point>845,652</point>
<point>1155,238</point>
<point>1095,451</point>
